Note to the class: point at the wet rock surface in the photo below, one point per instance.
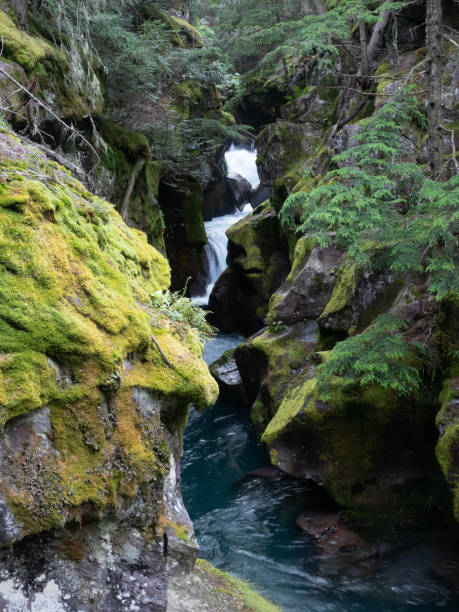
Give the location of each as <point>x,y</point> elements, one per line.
<point>226,373</point>
<point>258,263</point>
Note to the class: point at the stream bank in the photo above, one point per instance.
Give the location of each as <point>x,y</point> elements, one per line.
<point>246,526</point>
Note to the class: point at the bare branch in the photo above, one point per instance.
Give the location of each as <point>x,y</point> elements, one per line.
<point>67,127</point>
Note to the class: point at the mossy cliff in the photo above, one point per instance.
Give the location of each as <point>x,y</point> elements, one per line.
<point>69,83</point>
<point>382,457</point>
<point>92,413</point>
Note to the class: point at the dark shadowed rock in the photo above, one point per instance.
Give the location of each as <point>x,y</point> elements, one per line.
<point>226,373</point>
<point>445,568</point>
<point>258,264</point>
<point>218,200</point>
<point>240,188</point>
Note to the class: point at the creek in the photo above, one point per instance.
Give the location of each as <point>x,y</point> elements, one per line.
<point>246,525</point>
<point>239,162</point>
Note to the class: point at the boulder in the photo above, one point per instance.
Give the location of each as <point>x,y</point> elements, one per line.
<point>226,373</point>
<point>92,414</point>
<point>225,196</point>
<point>309,286</point>
<point>218,200</point>
<point>370,450</point>
<point>269,361</point>
<point>258,263</point>
<point>240,188</point>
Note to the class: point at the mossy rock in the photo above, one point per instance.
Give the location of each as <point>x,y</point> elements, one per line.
<point>269,361</point>
<point>134,144</point>
<point>447,450</point>
<point>187,95</point>
<point>25,50</point>
<point>372,451</point>
<point>78,337</point>
<point>185,235</point>
<point>258,264</point>
<point>209,588</point>
<point>309,286</point>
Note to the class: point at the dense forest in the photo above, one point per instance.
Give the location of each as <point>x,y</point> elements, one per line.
<point>144,258</point>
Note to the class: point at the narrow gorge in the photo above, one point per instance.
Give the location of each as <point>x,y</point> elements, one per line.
<point>229,305</point>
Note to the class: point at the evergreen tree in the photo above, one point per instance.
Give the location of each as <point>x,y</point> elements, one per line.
<point>373,197</point>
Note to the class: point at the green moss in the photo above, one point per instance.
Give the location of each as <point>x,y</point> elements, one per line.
<point>187,95</point>
<point>447,450</point>
<point>343,291</point>
<point>383,68</point>
<point>291,405</point>
<point>194,221</point>
<point>130,142</point>
<point>283,355</point>
<point>191,34</point>
<point>239,590</point>
<point>26,50</point>
<point>75,288</point>
<point>183,34</point>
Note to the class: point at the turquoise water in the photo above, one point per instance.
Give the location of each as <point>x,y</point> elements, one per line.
<point>248,528</point>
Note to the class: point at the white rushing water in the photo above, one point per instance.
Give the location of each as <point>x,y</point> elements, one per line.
<point>243,162</point>
<point>238,161</point>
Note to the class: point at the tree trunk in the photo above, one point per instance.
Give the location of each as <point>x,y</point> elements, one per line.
<point>139,164</point>
<point>376,35</point>
<point>434,75</point>
<point>319,7</point>
<point>364,63</point>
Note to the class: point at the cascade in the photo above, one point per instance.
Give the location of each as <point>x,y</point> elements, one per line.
<point>239,162</point>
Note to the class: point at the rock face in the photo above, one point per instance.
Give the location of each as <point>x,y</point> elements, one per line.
<point>258,263</point>
<point>225,196</point>
<point>92,415</point>
<point>372,451</point>
<point>378,455</point>
<point>226,373</point>
<point>185,234</point>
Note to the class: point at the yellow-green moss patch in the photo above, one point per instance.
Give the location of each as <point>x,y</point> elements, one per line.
<point>24,49</point>
<point>240,590</point>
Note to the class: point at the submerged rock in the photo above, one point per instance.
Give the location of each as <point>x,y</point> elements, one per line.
<point>445,568</point>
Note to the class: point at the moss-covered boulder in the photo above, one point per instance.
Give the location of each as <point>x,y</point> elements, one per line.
<point>372,451</point>
<point>448,444</point>
<point>269,361</point>
<point>79,354</point>
<point>309,286</point>
<point>258,263</point>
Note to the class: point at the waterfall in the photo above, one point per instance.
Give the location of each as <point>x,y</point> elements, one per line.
<point>242,162</point>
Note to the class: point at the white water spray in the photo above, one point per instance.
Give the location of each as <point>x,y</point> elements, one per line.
<point>242,162</point>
